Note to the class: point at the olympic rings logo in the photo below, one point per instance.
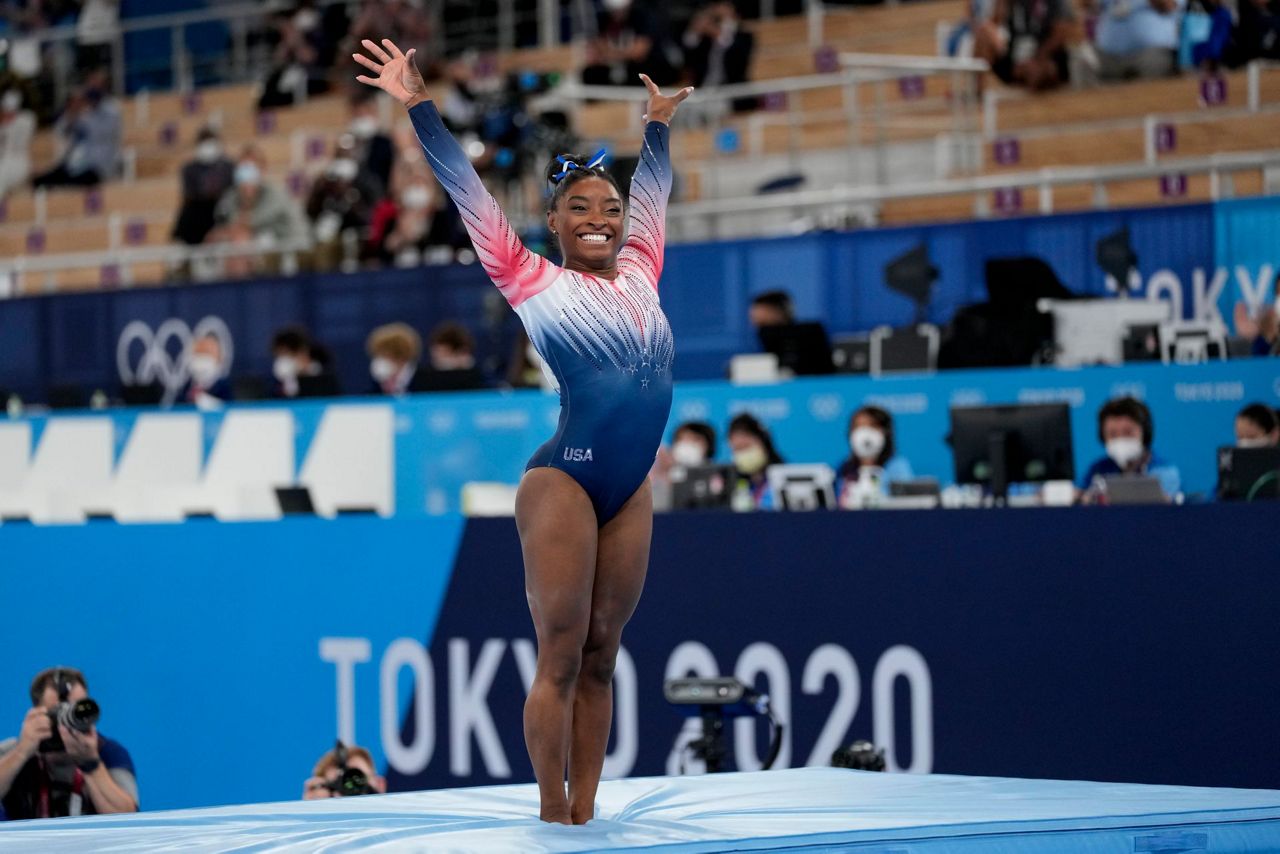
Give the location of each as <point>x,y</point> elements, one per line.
<point>160,363</point>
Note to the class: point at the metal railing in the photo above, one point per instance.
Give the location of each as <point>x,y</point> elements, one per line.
<point>1219,168</point>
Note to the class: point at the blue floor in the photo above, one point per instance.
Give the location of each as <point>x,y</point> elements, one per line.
<point>810,809</point>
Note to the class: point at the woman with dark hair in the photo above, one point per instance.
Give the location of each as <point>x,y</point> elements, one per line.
<point>1257,426</point>
<point>753,452</point>
<point>873,461</point>
<point>584,509</point>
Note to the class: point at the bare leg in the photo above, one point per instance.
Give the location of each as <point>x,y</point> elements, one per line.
<point>621,563</point>
<point>558,535</point>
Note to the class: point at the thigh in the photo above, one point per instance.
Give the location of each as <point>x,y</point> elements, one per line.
<point>558,537</point>
<point>622,562</point>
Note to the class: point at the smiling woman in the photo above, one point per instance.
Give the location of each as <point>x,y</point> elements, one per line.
<point>584,510</point>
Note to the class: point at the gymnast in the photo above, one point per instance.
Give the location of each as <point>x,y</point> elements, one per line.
<point>584,509</point>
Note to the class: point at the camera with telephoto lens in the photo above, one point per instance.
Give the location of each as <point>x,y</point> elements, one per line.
<point>79,716</point>
<point>351,781</point>
<point>860,756</point>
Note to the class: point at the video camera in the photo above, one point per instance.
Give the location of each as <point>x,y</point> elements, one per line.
<point>351,781</point>
<point>79,716</point>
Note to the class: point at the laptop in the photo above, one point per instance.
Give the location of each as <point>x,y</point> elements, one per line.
<point>702,487</point>
<point>1133,489</point>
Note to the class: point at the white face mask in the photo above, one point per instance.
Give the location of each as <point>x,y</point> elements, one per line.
<point>866,442</point>
<point>1255,442</point>
<point>204,369</point>
<point>284,368</point>
<point>416,197</point>
<point>750,460</point>
<point>688,453</point>
<point>248,174</point>
<point>306,19</point>
<point>208,151</point>
<point>364,126</point>
<point>344,169</point>
<point>1125,450</point>
<point>11,102</point>
<point>382,369</point>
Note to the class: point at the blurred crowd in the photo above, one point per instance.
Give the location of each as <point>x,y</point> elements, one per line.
<point>1042,44</point>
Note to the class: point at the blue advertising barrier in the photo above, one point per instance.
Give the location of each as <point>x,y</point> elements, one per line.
<point>443,441</point>
<point>1133,644</point>
<point>1203,258</point>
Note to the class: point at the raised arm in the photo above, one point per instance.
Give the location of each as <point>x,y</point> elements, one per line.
<point>516,271</point>
<point>651,187</point>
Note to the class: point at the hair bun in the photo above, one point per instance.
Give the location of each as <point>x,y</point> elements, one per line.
<point>556,166</point>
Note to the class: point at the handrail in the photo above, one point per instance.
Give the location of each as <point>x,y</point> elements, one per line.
<point>174,253</point>
<point>1047,177</point>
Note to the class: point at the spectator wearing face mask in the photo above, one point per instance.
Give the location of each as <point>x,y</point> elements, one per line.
<point>693,444</point>
<point>17,127</point>
<point>373,148</point>
<point>1126,430</point>
<point>205,179</point>
<point>873,462</point>
<point>90,129</point>
<point>403,229</point>
<point>300,367</point>
<point>753,452</point>
<point>1257,426</point>
<point>631,41</point>
<point>394,350</point>
<point>341,202</point>
<point>295,60</point>
<point>452,361</point>
<point>717,50</point>
<point>208,387</point>
<point>256,211</point>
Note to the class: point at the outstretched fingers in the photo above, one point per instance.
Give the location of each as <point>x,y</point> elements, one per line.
<point>378,52</point>
<point>391,46</point>
<point>649,84</point>
<point>367,62</point>
<point>680,96</point>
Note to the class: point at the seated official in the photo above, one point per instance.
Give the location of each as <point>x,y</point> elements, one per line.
<point>208,387</point>
<point>1257,426</point>
<point>344,772</point>
<point>1126,430</point>
<point>393,350</point>
<point>451,361</point>
<point>693,444</point>
<point>298,368</point>
<point>753,453</point>
<point>873,462</point>
<point>52,770</point>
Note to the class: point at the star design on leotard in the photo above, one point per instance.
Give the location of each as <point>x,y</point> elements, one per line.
<point>644,383</point>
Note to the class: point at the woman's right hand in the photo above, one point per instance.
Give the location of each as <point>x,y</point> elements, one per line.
<point>397,74</point>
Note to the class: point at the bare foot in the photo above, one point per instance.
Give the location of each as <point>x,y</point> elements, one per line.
<point>559,815</point>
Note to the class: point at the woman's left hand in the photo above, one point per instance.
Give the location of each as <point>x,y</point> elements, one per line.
<point>662,107</point>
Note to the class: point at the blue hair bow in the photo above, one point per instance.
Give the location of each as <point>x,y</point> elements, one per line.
<point>567,165</point>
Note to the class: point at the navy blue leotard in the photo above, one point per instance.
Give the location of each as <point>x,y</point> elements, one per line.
<point>607,343</point>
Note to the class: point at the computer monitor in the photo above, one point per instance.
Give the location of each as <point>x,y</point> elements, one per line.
<point>702,487</point>
<point>1020,443</point>
<point>1247,474</point>
<point>802,486</point>
<point>802,347</point>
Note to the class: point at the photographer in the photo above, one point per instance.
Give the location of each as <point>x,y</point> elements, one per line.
<point>65,767</point>
<point>343,772</point>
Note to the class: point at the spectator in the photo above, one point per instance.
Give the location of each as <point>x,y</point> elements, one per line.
<point>96,30</point>
<point>452,361</point>
<point>394,350</point>
<point>90,129</point>
<point>629,42</point>
<point>333,775</point>
<point>1126,430</point>
<point>1138,38</point>
<point>1210,47</point>
<point>1263,326</point>
<point>256,212</point>
<point>208,387</point>
<point>693,444</point>
<point>717,50</point>
<point>1257,426</point>
<point>79,774</point>
<point>771,308</point>
<point>1258,33</point>
<point>873,462</point>
<point>404,228</point>
<point>341,203</point>
<point>299,366</point>
<point>17,126</point>
<point>372,147</point>
<point>206,178</point>
<point>1026,42</point>
<point>295,62</point>
<point>753,453</point>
